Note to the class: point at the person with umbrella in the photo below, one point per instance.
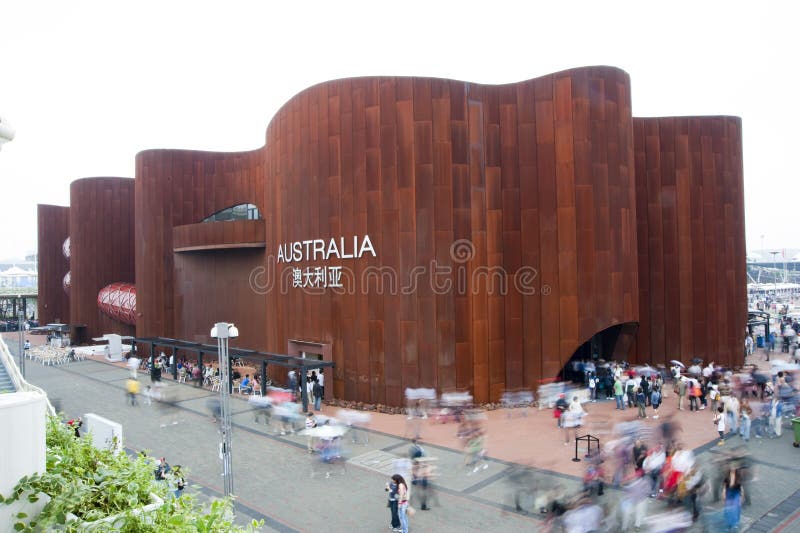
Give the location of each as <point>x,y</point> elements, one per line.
<point>676,369</point>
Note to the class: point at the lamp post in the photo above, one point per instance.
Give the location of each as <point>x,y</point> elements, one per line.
<point>775,272</point>
<point>21,326</point>
<point>222,331</point>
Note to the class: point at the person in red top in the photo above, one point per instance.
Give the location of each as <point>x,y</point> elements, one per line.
<point>76,424</point>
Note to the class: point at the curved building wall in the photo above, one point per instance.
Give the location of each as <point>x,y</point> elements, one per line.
<point>531,180</point>
<point>101,220</point>
<point>53,230</point>
<point>182,294</point>
<point>690,211</point>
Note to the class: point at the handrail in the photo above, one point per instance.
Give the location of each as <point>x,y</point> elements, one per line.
<point>16,377</point>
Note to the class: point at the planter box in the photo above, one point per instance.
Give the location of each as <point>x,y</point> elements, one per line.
<point>8,512</point>
<point>113,520</point>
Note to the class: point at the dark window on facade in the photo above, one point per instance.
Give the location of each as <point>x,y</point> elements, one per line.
<point>237,212</point>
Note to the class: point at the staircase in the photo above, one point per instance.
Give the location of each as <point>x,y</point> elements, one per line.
<point>6,385</point>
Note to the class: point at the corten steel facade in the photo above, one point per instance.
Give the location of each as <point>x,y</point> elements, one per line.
<point>507,226</point>
<point>101,223</point>
<point>191,274</point>
<point>53,230</point>
<point>690,211</point>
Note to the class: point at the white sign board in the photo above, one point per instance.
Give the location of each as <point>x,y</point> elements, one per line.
<point>114,352</point>
<point>105,433</point>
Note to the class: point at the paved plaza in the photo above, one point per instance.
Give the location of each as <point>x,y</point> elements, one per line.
<point>278,481</point>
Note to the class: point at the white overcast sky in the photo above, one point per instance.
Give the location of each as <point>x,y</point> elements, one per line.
<point>88,84</point>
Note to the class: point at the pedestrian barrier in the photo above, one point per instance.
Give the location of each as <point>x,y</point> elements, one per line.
<point>590,440</point>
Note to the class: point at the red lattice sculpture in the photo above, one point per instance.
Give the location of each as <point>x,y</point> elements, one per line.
<point>118,301</point>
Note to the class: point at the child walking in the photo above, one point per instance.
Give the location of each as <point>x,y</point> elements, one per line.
<point>719,420</point>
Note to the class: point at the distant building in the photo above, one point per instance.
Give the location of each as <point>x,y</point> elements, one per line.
<point>15,276</point>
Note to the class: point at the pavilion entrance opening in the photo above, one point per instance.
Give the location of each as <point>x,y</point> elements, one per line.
<point>610,344</point>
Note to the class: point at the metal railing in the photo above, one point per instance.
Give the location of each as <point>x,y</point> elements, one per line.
<point>7,360</point>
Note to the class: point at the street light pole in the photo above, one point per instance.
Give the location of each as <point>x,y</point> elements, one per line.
<point>21,326</point>
<point>223,331</point>
<point>775,272</point>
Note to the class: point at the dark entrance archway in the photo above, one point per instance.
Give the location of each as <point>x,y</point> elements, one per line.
<point>610,344</point>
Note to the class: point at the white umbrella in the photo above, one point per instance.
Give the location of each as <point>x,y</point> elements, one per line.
<point>260,401</point>
<point>676,362</point>
<point>782,365</point>
<point>325,432</point>
<point>645,370</point>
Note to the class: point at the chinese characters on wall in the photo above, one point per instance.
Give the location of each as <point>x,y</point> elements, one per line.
<point>325,276</point>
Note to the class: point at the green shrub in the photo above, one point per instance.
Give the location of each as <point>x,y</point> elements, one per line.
<point>93,484</point>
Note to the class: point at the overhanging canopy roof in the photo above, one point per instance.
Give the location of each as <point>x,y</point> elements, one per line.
<point>271,358</point>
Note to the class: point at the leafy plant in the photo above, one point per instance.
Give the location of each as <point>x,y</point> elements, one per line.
<point>93,484</point>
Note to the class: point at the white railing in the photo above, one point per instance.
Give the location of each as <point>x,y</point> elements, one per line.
<point>7,360</point>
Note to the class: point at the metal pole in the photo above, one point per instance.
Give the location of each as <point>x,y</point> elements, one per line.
<point>225,418</point>
<point>575,459</point>
<point>263,378</point>
<point>304,388</point>
<point>21,344</point>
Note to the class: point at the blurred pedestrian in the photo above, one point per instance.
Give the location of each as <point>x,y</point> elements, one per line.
<point>733,498</point>
<point>560,408</point>
<point>630,391</point>
<point>177,481</point>
<point>693,484</point>
<point>416,451</point>
<point>311,423</point>
<point>421,480</point>
<point>592,387</point>
<point>214,408</point>
<point>618,390</point>
<point>746,413</point>
<point>132,388</point>
<point>316,390</point>
<point>640,402</point>
<point>572,419</point>
<point>694,395</point>
<point>655,401</point>
<point>133,366</point>
<point>680,390</point>
<point>634,502</point>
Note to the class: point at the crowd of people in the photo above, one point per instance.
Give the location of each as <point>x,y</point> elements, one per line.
<point>644,457</point>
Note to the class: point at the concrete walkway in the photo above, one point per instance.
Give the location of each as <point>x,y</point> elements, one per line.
<point>277,480</point>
